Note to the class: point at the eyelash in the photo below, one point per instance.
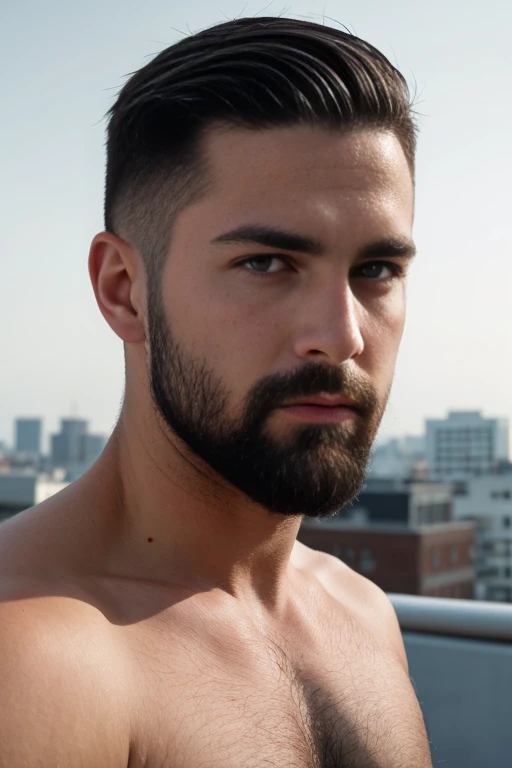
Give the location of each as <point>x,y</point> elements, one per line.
<point>396,269</point>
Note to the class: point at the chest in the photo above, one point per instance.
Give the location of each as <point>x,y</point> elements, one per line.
<point>351,709</point>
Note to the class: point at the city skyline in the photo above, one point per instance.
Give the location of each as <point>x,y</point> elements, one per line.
<point>47,433</point>
<point>455,350</point>
<point>382,439</point>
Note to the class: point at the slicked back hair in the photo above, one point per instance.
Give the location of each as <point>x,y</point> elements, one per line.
<point>250,73</point>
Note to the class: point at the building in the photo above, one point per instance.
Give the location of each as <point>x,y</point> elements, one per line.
<point>74,449</point>
<point>67,445</point>
<point>399,457</point>
<point>435,560</point>
<point>488,502</point>
<point>22,490</point>
<point>28,433</point>
<point>92,446</point>
<point>402,536</point>
<point>465,445</point>
<point>389,500</point>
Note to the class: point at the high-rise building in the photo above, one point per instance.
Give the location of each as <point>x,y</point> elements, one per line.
<point>67,446</point>
<point>465,445</point>
<point>74,449</point>
<point>28,436</point>
<point>92,446</point>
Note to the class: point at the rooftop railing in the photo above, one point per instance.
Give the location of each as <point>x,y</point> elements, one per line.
<point>458,618</point>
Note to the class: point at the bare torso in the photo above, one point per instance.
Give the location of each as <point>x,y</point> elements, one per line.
<point>323,692</point>
<point>209,684</point>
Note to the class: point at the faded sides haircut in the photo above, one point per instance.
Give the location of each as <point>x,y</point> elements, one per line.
<point>249,73</point>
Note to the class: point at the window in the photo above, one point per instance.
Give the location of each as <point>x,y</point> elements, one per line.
<point>454,555</point>
<point>436,557</point>
<point>500,495</point>
<point>506,572</point>
<point>489,572</point>
<point>506,522</point>
<point>367,561</point>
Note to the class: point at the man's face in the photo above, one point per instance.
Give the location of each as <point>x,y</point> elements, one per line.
<point>283,291</point>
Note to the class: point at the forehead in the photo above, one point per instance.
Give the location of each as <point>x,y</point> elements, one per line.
<point>255,172</point>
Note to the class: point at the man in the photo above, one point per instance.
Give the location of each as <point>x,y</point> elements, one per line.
<point>159,611</point>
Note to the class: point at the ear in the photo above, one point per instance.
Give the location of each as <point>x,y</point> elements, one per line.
<point>118,281</point>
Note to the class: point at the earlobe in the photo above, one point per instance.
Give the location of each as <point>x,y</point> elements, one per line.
<point>117,278</point>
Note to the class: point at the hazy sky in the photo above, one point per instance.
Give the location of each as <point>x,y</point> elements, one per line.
<point>62,64</point>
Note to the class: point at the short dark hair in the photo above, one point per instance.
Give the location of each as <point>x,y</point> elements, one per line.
<point>253,73</point>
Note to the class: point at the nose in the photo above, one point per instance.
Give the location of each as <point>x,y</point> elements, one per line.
<point>329,326</point>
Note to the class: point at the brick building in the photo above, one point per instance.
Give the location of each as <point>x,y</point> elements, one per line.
<point>435,559</point>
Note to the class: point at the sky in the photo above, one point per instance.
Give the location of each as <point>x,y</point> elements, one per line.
<point>62,64</point>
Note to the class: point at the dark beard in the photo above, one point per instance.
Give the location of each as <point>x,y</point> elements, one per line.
<point>314,471</point>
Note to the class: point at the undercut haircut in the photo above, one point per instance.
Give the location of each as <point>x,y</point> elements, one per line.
<point>259,73</point>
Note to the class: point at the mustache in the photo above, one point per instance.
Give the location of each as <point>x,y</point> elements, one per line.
<point>308,380</point>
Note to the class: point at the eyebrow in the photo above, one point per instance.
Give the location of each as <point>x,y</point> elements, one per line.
<point>274,237</point>
<point>389,247</point>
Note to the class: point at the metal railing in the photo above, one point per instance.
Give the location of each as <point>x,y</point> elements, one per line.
<point>450,616</point>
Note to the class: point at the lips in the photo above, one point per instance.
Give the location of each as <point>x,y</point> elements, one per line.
<point>321,410</point>
<point>325,401</point>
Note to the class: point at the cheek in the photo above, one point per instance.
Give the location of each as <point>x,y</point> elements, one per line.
<point>384,331</point>
<point>234,336</point>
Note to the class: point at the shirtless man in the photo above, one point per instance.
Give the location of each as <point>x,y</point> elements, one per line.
<point>159,613</point>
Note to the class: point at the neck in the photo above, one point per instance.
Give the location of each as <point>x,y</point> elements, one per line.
<point>173,520</point>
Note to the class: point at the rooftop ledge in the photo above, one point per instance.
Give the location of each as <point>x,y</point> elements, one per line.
<point>450,616</point>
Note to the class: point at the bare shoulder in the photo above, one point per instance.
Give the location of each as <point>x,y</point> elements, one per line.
<point>61,701</point>
<point>367,601</point>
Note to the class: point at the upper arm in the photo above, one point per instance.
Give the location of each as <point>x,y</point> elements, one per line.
<point>56,706</point>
